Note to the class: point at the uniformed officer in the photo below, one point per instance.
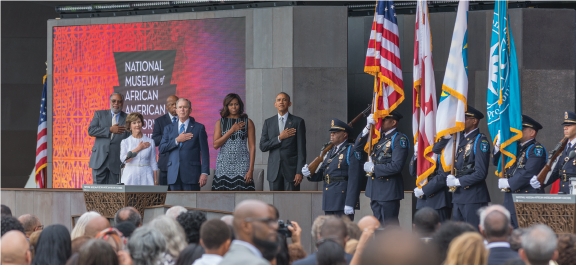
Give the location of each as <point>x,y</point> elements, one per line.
<point>385,186</point>
<point>471,168</point>
<point>435,193</point>
<point>530,159</point>
<point>340,172</point>
<point>566,166</point>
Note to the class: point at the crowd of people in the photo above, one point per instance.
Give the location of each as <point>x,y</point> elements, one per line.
<point>252,235</point>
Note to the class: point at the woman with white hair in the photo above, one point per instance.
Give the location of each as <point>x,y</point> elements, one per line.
<point>80,226</point>
<point>173,234</point>
<point>147,246</point>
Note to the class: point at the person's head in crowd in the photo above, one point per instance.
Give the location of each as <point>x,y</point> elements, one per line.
<point>330,253</point>
<point>31,223</point>
<point>426,222</point>
<point>114,238</point>
<point>128,214</point>
<point>446,233</point>
<point>34,241</point>
<point>146,246</point>
<point>172,232</point>
<point>73,260</point>
<point>215,237</point>
<point>171,104</point>
<point>516,239</point>
<point>126,228</point>
<point>296,252</point>
<point>116,102</point>
<point>227,219</point>
<point>351,246</point>
<point>6,210</point>
<point>316,225</point>
<point>352,228</point>
<point>282,102</point>
<point>174,211</point>
<point>538,245</point>
<point>274,211</point>
<point>10,223</point>
<point>15,249</point>
<point>191,221</point>
<point>566,249</point>
<point>368,221</point>
<point>232,105</point>
<point>467,249</point>
<point>495,223</point>
<point>334,229</point>
<point>80,226</point>
<point>78,242</point>
<point>97,252</point>
<point>392,246</point>
<point>95,225</point>
<point>190,254</point>
<point>255,224</point>
<point>54,246</point>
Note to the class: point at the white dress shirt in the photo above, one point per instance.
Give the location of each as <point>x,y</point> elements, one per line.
<point>498,245</point>
<point>251,247</point>
<point>285,116</point>
<point>208,259</point>
<point>466,134</point>
<point>172,117</point>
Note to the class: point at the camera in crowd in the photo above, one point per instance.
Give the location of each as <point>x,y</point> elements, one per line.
<point>283,228</point>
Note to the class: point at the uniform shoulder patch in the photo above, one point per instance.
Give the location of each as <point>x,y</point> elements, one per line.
<point>358,155</point>
<point>539,150</point>
<point>484,146</point>
<point>403,142</point>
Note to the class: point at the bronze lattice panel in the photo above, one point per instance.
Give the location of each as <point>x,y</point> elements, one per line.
<point>108,203</point>
<point>558,216</point>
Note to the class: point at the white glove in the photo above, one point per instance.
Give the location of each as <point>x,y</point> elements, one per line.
<point>535,183</point>
<point>449,136</point>
<point>416,148</point>
<point>305,171</point>
<point>369,166</point>
<point>418,192</point>
<point>370,120</point>
<point>503,183</point>
<point>451,181</point>
<point>497,145</point>
<point>348,210</point>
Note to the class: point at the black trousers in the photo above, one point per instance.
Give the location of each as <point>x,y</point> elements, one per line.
<point>467,213</point>
<point>179,186</point>
<point>445,213</point>
<point>104,176</point>
<point>386,212</point>
<point>283,183</point>
<point>162,177</point>
<point>339,214</point>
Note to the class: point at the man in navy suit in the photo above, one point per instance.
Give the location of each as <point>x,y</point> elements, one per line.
<point>159,124</point>
<point>186,144</point>
<point>496,228</point>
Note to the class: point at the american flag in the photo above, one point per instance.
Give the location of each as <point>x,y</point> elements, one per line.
<point>383,62</point>
<point>42,143</point>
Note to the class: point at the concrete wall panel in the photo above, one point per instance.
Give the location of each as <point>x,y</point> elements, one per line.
<point>265,197</point>
<point>296,207</point>
<point>216,201</point>
<point>282,37</point>
<point>183,199</point>
<point>263,32</point>
<point>9,199</point>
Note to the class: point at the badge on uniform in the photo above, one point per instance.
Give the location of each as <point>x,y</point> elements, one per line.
<point>538,151</point>
<point>358,155</point>
<point>484,146</point>
<point>403,142</point>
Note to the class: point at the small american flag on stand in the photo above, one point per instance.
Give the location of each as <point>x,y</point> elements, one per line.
<point>383,62</point>
<point>42,143</point>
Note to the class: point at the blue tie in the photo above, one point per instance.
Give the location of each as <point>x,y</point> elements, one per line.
<point>181,131</point>
<point>173,119</point>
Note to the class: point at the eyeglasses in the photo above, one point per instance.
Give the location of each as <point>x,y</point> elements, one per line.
<point>268,221</point>
<point>41,227</point>
<point>114,101</point>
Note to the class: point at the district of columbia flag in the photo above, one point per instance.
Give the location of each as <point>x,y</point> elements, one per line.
<point>42,143</point>
<point>503,107</point>
<point>383,62</point>
<point>452,105</point>
<point>424,100</point>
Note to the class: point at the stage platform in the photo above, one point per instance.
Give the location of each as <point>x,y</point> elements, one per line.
<point>57,206</point>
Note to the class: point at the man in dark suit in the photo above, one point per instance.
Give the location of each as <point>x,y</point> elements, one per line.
<point>471,169</point>
<point>385,187</point>
<point>186,144</point>
<point>333,229</point>
<point>108,127</point>
<point>341,173</point>
<point>159,124</point>
<point>284,135</point>
<point>496,229</point>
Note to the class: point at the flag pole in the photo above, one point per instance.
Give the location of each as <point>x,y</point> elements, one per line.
<point>374,95</point>
<point>453,170</point>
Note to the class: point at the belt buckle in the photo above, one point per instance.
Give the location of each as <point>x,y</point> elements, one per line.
<point>327,179</point>
<point>564,178</point>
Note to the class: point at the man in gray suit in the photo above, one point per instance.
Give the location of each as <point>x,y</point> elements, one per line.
<point>255,228</point>
<point>284,136</point>
<point>108,127</point>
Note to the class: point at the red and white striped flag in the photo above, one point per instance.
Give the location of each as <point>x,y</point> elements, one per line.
<point>42,143</point>
<point>383,62</point>
<point>424,101</point>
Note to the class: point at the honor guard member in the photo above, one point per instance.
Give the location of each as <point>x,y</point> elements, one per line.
<point>435,193</point>
<point>471,168</point>
<point>565,168</point>
<point>385,186</point>
<point>530,159</point>
<point>340,172</point>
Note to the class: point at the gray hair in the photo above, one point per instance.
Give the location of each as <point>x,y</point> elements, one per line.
<point>80,226</point>
<point>146,246</point>
<point>484,211</point>
<point>183,99</point>
<point>539,244</point>
<point>174,211</point>
<point>173,234</point>
<point>116,93</point>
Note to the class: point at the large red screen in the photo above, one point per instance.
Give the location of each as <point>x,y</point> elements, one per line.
<point>209,63</point>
